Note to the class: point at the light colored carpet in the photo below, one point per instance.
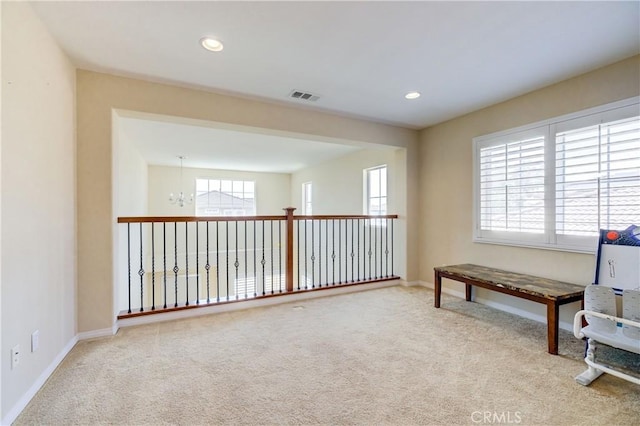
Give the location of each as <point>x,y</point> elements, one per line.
<point>377,357</point>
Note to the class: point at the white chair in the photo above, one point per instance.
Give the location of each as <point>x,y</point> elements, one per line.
<point>608,328</point>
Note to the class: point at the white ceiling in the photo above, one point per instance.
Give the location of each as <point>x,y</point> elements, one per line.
<point>360,57</point>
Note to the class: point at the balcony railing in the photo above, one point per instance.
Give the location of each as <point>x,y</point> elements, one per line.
<point>184,262</point>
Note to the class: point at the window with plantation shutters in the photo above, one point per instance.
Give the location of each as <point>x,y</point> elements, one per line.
<point>512,186</point>
<point>555,184</point>
<point>598,177</point>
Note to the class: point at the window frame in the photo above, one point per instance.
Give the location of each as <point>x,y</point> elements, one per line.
<point>307,198</point>
<point>549,239</point>
<point>367,189</point>
<point>226,211</point>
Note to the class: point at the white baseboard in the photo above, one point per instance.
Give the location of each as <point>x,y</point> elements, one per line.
<point>253,303</point>
<point>501,306</point>
<point>104,332</point>
<point>15,411</point>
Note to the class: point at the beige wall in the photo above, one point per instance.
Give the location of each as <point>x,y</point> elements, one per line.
<point>132,174</point>
<point>98,94</point>
<point>38,202</point>
<point>447,184</point>
<point>338,184</point>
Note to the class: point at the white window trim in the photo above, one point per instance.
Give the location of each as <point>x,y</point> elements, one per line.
<point>579,244</point>
<point>365,181</point>
<point>305,201</point>
<point>374,223</point>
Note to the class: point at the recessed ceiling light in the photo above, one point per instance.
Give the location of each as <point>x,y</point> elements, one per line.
<point>412,95</point>
<point>211,44</point>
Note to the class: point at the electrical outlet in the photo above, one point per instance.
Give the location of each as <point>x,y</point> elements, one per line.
<point>35,340</point>
<point>15,356</point>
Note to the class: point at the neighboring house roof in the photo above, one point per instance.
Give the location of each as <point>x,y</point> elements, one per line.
<point>223,200</point>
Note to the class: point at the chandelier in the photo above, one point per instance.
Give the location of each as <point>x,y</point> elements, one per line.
<point>181,199</point>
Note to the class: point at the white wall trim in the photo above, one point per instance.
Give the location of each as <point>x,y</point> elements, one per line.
<point>500,306</point>
<point>13,414</point>
<point>104,332</point>
<point>253,303</point>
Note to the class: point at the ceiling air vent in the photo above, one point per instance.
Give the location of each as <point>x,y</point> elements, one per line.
<point>305,96</point>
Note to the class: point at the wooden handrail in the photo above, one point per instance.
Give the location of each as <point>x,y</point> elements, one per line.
<point>344,216</point>
<point>161,219</point>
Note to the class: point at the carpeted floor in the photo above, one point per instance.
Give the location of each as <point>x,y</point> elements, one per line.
<point>379,357</point>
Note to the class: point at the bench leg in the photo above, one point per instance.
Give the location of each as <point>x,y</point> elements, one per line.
<point>467,292</point>
<point>553,310</point>
<point>437,288</point>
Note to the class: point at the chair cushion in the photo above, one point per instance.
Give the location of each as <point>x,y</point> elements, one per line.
<point>618,339</point>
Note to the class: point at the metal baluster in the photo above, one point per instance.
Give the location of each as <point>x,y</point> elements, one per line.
<point>197,263</point>
<point>186,260</point>
<point>392,247</point>
<point>352,253</point>
<point>298,242</point>
<point>227,256</point>
<point>207,267</point>
<point>246,276</point>
<point>271,227</point>
<point>305,255</point>
<point>375,248</point>
<point>358,248</point>
<point>320,253</point>
<point>346,251</point>
<point>339,251</point>
<point>380,254</point>
<point>280,255</point>
<point>370,252</point>
<point>217,262</point>
<point>326,251</point>
<point>263,262</point>
<point>153,268</point>
<point>255,261</point>
<point>236,264</point>
<point>386,248</point>
<point>164,262</point>
<point>364,249</point>
<point>313,255</point>
<point>381,248</point>
<point>333,250</point>
<point>129,262</point>
<point>141,273</point>
<point>175,256</point>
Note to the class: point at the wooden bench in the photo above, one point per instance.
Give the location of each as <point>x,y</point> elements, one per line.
<point>542,290</point>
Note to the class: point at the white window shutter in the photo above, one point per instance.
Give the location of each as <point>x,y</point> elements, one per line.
<point>598,177</point>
